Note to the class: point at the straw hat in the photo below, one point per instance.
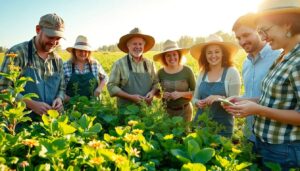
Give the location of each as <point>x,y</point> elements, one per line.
<point>169,46</point>
<point>279,7</point>
<point>136,32</point>
<point>196,50</point>
<point>81,43</point>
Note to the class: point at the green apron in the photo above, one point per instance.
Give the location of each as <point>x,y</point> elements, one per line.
<point>81,84</point>
<point>138,83</point>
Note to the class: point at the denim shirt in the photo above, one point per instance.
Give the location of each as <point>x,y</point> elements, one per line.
<point>254,71</point>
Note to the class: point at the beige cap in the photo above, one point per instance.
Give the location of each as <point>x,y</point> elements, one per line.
<point>52,25</point>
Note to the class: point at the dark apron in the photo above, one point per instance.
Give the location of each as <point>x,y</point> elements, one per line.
<point>138,83</point>
<point>46,88</point>
<point>81,84</point>
<point>216,112</point>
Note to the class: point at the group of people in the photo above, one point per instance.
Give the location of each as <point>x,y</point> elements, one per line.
<point>271,76</point>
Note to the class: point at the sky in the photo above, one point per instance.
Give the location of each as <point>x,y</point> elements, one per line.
<point>105,21</point>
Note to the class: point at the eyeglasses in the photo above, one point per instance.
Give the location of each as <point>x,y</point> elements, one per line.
<point>264,31</point>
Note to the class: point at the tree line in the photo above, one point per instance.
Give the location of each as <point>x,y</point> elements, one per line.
<point>183,41</point>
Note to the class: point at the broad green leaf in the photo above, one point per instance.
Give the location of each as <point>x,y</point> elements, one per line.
<point>96,128</point>
<point>204,155</point>
<point>273,166</point>
<point>193,167</point>
<point>180,155</point>
<point>192,148</point>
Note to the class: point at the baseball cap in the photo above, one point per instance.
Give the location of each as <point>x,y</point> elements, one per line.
<point>52,25</point>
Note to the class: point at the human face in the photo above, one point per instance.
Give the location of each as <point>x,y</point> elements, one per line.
<point>46,43</point>
<point>248,39</point>
<point>136,46</point>
<point>272,33</point>
<point>214,55</point>
<point>172,58</point>
<point>81,55</point>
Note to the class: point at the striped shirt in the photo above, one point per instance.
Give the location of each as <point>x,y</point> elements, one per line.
<point>43,67</point>
<point>97,70</point>
<point>120,73</point>
<point>280,90</point>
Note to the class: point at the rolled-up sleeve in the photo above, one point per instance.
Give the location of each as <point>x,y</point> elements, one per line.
<point>114,80</point>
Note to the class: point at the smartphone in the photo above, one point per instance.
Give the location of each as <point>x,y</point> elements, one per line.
<point>225,101</point>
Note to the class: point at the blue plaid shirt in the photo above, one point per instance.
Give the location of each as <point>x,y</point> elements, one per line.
<point>97,70</point>
<point>280,90</point>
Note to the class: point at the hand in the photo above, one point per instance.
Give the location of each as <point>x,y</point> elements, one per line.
<point>201,104</point>
<point>97,92</point>
<point>37,107</point>
<point>57,104</point>
<point>136,98</point>
<point>67,98</point>
<point>149,98</point>
<point>166,95</point>
<point>212,98</point>
<point>243,108</point>
<point>175,95</point>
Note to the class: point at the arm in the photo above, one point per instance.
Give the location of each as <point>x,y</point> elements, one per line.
<point>196,97</point>
<point>101,81</point>
<point>57,103</point>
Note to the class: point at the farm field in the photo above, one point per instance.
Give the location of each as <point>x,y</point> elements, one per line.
<point>94,135</point>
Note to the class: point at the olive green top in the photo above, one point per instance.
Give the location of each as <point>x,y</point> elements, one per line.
<point>181,81</point>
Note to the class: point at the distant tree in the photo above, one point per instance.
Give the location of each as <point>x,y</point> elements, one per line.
<point>158,46</point>
<point>185,41</point>
<point>2,49</point>
<point>199,40</point>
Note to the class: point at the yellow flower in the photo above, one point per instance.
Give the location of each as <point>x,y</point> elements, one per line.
<point>169,137</point>
<point>24,164</point>
<point>119,160</point>
<point>134,152</point>
<point>97,144</point>
<point>137,131</point>
<point>12,55</point>
<point>97,160</point>
<point>30,142</point>
<point>132,123</point>
<point>130,138</point>
<point>14,68</point>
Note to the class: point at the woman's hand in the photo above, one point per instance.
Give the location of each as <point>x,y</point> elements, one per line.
<point>243,108</point>
<point>97,92</point>
<point>201,104</point>
<point>212,98</point>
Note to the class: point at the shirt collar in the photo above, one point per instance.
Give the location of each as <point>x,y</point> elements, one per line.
<point>260,54</point>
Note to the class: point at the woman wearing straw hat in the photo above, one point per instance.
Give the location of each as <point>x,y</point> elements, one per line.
<point>217,79</point>
<point>177,81</point>
<point>277,119</point>
<point>84,75</point>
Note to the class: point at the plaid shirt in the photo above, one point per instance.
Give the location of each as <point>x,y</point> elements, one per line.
<point>44,67</point>
<point>120,73</point>
<point>280,90</point>
<point>97,70</point>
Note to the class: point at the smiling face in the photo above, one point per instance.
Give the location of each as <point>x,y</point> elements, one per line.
<point>46,43</point>
<point>81,55</point>
<point>136,46</point>
<point>274,34</point>
<point>248,39</point>
<point>214,55</point>
<point>172,58</point>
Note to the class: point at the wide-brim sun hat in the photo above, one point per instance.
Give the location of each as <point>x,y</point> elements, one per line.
<point>170,46</point>
<point>136,32</point>
<point>270,7</point>
<point>196,50</point>
<point>81,43</point>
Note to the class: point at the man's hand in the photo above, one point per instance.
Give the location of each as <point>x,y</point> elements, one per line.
<point>39,108</point>
<point>136,98</point>
<point>57,104</point>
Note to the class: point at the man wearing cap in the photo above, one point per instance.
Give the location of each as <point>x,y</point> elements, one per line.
<point>37,60</point>
<point>133,78</point>
<point>255,67</point>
